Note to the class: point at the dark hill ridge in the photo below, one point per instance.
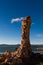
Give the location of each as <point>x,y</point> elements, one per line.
<point>8,45</point>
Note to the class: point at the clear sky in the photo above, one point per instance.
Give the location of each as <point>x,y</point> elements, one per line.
<point>10,33</point>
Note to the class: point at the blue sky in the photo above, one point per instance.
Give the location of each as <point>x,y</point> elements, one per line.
<point>10,33</point>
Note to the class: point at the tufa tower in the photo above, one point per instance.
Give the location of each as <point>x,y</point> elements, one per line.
<point>24,49</point>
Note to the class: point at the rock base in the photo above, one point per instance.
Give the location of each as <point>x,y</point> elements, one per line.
<point>8,59</point>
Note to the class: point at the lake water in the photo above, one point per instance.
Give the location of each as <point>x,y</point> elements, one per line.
<point>12,48</point>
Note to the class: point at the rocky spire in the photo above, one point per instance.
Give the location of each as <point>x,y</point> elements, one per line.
<point>24,49</point>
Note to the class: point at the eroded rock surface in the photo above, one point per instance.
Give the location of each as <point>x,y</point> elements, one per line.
<point>24,49</point>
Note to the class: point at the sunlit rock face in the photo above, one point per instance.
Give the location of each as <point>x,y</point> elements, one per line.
<point>24,49</point>
<point>7,53</point>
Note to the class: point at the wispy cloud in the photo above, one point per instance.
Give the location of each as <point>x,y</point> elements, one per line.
<point>17,19</point>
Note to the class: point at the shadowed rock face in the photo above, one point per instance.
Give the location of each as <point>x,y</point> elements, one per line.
<point>24,49</point>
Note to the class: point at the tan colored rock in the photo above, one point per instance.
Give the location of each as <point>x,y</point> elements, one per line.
<point>24,49</point>
<point>6,60</point>
<point>7,53</point>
